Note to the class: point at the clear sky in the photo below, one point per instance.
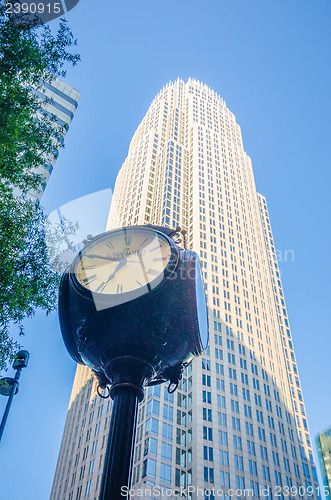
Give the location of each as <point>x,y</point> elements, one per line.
<point>270,61</point>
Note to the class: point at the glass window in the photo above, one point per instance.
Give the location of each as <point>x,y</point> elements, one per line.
<point>151,467</point>
<point>153,406</point>
<point>166,451</point>
<point>165,473</point>
<point>152,425</point>
<point>152,448</point>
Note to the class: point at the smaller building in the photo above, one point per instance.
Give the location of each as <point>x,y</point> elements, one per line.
<point>323,443</point>
<point>59,100</point>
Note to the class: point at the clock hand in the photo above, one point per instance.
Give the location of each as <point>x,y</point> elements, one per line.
<point>121,263</point>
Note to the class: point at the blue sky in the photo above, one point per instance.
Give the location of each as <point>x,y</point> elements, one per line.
<point>270,61</point>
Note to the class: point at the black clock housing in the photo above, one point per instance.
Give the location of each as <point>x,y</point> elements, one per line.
<point>164,328</point>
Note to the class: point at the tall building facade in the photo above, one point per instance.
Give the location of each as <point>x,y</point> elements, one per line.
<point>237,423</point>
<point>59,100</point>
<point>323,444</point>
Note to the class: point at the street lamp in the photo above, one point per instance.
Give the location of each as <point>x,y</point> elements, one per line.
<point>9,386</point>
<point>132,307</point>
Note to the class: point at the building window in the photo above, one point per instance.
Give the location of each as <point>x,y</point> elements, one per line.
<point>88,487</point>
<point>152,426</point>
<point>165,473</point>
<point>149,468</point>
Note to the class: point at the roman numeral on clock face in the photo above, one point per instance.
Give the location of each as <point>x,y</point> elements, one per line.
<point>141,244</point>
<point>90,279</point>
<point>101,287</point>
<point>119,288</point>
<point>128,240</point>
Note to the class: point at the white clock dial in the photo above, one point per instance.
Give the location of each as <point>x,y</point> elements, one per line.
<point>123,261</point>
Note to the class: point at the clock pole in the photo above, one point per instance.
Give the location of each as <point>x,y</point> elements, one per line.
<point>118,459</point>
<point>128,375</point>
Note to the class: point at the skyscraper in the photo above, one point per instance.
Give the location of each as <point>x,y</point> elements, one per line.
<point>237,421</point>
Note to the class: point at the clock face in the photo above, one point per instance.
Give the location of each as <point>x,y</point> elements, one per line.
<point>123,261</point>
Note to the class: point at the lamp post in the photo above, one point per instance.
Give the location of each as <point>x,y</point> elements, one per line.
<point>9,386</point>
<point>132,307</point>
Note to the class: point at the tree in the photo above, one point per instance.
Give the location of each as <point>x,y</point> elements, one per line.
<point>29,137</point>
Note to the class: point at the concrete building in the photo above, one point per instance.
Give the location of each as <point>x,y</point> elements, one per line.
<point>237,421</point>
<point>60,100</point>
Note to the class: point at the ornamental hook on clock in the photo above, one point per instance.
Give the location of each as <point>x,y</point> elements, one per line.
<point>179,236</point>
<point>88,239</point>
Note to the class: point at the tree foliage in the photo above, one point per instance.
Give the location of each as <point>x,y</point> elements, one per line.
<point>29,138</point>
<point>26,277</point>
